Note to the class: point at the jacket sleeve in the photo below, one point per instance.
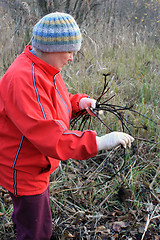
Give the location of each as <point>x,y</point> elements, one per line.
<point>33,117</point>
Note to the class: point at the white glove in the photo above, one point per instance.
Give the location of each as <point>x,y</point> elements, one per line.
<point>114,139</point>
<point>85,103</point>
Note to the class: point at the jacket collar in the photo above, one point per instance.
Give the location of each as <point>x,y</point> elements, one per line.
<point>43,65</point>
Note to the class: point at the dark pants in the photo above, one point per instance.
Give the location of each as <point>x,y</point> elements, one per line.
<point>32,216</point>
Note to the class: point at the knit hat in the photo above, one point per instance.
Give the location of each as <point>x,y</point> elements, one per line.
<point>57,32</point>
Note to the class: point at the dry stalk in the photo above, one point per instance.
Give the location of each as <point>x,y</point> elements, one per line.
<point>149,218</point>
<point>157,174</point>
<point>108,196</point>
<point>154,195</point>
<point>58,204</point>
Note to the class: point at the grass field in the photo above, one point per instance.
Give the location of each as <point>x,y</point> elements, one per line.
<point>88,201</point>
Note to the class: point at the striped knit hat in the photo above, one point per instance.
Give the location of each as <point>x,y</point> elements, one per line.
<point>57,32</point>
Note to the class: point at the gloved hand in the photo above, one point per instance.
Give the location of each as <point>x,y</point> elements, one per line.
<point>114,139</point>
<point>85,103</point>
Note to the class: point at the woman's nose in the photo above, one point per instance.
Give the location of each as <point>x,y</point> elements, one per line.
<point>70,57</point>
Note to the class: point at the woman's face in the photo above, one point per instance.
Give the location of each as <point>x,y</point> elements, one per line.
<point>57,59</point>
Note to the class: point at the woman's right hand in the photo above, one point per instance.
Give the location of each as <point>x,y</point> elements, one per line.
<point>114,139</point>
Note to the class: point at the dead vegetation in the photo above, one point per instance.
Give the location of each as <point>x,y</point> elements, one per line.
<point>87,204</point>
<point>115,195</point>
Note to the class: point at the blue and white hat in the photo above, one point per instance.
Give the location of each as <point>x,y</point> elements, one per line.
<point>57,32</point>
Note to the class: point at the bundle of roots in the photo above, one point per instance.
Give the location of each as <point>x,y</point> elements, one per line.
<point>82,118</point>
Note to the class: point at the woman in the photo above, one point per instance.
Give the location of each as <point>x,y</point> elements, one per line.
<point>35,114</point>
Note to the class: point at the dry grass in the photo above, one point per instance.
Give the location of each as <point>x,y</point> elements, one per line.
<point>85,202</point>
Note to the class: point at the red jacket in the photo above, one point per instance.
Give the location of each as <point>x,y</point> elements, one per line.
<point>35,114</point>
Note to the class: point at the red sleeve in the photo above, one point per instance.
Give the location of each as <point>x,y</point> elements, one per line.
<point>50,136</point>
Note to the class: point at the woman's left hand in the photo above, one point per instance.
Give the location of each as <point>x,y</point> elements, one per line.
<point>86,103</point>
